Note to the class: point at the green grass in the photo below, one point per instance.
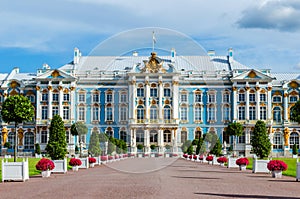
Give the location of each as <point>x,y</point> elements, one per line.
<point>291,162</point>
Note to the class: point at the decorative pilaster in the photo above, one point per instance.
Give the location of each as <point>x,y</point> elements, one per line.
<point>50,102</point>
<point>175,98</point>
<point>269,110</point>
<point>247,103</point>
<point>38,106</point>
<point>285,106</point>
<point>72,101</point>
<point>257,96</point>
<point>160,95</point>
<point>234,103</point>
<point>61,99</point>
<point>147,97</point>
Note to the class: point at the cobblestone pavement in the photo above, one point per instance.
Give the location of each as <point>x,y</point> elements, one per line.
<point>154,178</point>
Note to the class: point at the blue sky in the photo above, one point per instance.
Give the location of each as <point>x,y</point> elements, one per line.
<point>263,33</point>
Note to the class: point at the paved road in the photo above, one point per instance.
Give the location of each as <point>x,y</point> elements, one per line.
<point>154,178</point>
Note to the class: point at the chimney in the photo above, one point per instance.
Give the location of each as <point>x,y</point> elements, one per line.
<point>135,54</point>
<point>77,55</point>
<point>230,55</point>
<point>211,53</point>
<point>173,54</point>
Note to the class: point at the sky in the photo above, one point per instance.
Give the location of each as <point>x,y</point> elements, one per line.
<point>264,34</point>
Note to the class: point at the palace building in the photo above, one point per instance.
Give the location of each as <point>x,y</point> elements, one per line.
<point>160,100</point>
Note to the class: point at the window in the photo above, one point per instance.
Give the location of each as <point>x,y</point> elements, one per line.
<point>140,92</point>
<point>153,113</point>
<point>66,97</point>
<point>277,99</point>
<point>183,113</point>
<point>263,113</point>
<point>140,112</point>
<point>139,136</point>
<point>11,139</point>
<point>226,113</point>
<point>167,92</point>
<point>123,114</point>
<point>67,137</point>
<point>277,114</point>
<point>241,97</point>
<point>294,139</point>
<point>153,92</point>
<point>45,97</point>
<point>183,136</point>
<point>198,97</point>
<point>277,141</point>
<point>198,134</point>
<point>293,99</point>
<point>183,97</point>
<point>153,136</point>
<point>167,136</point>
<point>30,97</point>
<point>44,139</point>
<point>81,113</point>
<point>167,113</point>
<point>95,113</point>
<point>252,113</point>
<point>226,98</point>
<point>252,97</point>
<point>197,113</point>
<point>109,132</point>
<point>29,141</point>
<point>109,114</point>
<point>241,113</point>
<point>263,97</point>
<point>211,113</point>
<point>211,98</point>
<point>55,110</point>
<point>66,113</point>
<point>123,136</point>
<point>44,112</point>
<point>95,98</point>
<point>241,139</point>
<point>109,98</point>
<point>81,97</point>
<point>55,97</point>
<point>82,138</point>
<point>123,98</point>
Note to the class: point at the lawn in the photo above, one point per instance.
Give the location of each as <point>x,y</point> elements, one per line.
<point>31,163</point>
<point>291,162</point>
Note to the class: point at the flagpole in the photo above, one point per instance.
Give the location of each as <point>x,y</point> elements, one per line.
<point>153,41</point>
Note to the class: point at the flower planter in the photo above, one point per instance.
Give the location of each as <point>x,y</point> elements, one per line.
<point>85,163</point>
<point>243,167</point>
<point>277,174</point>
<point>46,174</point>
<point>260,166</point>
<point>167,155</point>
<point>152,155</point>
<point>15,171</point>
<point>75,168</point>
<point>232,163</point>
<point>295,156</point>
<point>140,155</point>
<point>298,171</point>
<point>60,166</point>
<point>92,165</point>
<point>222,164</point>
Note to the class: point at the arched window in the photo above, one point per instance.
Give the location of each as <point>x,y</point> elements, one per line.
<point>140,135</point>
<point>29,141</point>
<point>153,136</point>
<point>277,141</point>
<point>153,112</point>
<point>11,139</point>
<point>140,112</point>
<point>123,135</point>
<point>294,139</point>
<point>167,113</point>
<point>167,136</point>
<point>277,114</point>
<point>183,136</point>
<point>109,132</point>
<point>198,134</point>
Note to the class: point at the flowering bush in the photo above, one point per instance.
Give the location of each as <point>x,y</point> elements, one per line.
<point>201,157</point>
<point>103,158</point>
<point>45,164</point>
<point>92,160</point>
<point>242,161</point>
<point>116,156</point>
<point>190,157</point>
<point>195,157</point>
<point>110,157</point>
<point>175,155</point>
<point>146,155</point>
<point>222,160</point>
<point>75,162</point>
<point>277,165</point>
<point>209,158</point>
<point>185,155</point>
<point>125,155</point>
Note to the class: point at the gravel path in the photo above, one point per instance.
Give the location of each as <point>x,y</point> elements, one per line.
<point>154,178</point>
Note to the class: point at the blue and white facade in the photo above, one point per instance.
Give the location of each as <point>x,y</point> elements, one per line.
<point>161,100</point>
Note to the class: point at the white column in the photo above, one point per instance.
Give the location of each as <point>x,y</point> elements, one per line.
<point>72,103</point>
<point>234,103</point>
<point>269,114</point>
<point>257,104</point>
<point>147,96</point>
<point>285,105</point>
<point>147,140</point>
<point>247,103</point>
<point>38,107</point>
<point>160,95</point>
<point>50,102</point>
<point>61,99</point>
<point>131,99</point>
<point>175,98</point>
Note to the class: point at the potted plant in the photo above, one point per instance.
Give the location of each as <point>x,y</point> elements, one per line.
<point>75,163</point>
<point>295,151</point>
<point>7,145</point>
<point>185,155</point>
<point>209,159</point>
<point>222,160</point>
<point>103,159</point>
<point>242,162</point>
<point>92,161</point>
<point>276,167</point>
<point>45,165</point>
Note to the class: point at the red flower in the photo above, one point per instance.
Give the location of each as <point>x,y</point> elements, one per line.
<point>190,156</point>
<point>242,161</point>
<point>209,158</point>
<point>277,165</point>
<point>110,157</point>
<point>75,162</point>
<point>45,164</point>
<point>185,155</point>
<point>175,155</point>
<point>116,156</point>
<point>92,160</point>
<point>201,157</point>
<point>103,158</point>
<point>195,157</point>
<point>222,160</point>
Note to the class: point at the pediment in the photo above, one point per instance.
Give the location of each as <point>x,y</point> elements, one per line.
<point>55,74</point>
<point>252,75</point>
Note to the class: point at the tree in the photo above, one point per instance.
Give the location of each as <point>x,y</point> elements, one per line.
<point>79,129</point>
<point>199,146</point>
<point>295,112</point>
<point>57,144</point>
<point>260,141</point>
<point>186,145</point>
<point>17,109</point>
<point>94,145</point>
<point>217,148</point>
<point>295,149</point>
<point>37,148</point>
<point>234,129</point>
<point>190,150</point>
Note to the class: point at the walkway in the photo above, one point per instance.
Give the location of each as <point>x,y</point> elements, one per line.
<point>154,178</point>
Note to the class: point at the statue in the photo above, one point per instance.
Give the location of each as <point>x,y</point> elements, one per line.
<point>286,136</point>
